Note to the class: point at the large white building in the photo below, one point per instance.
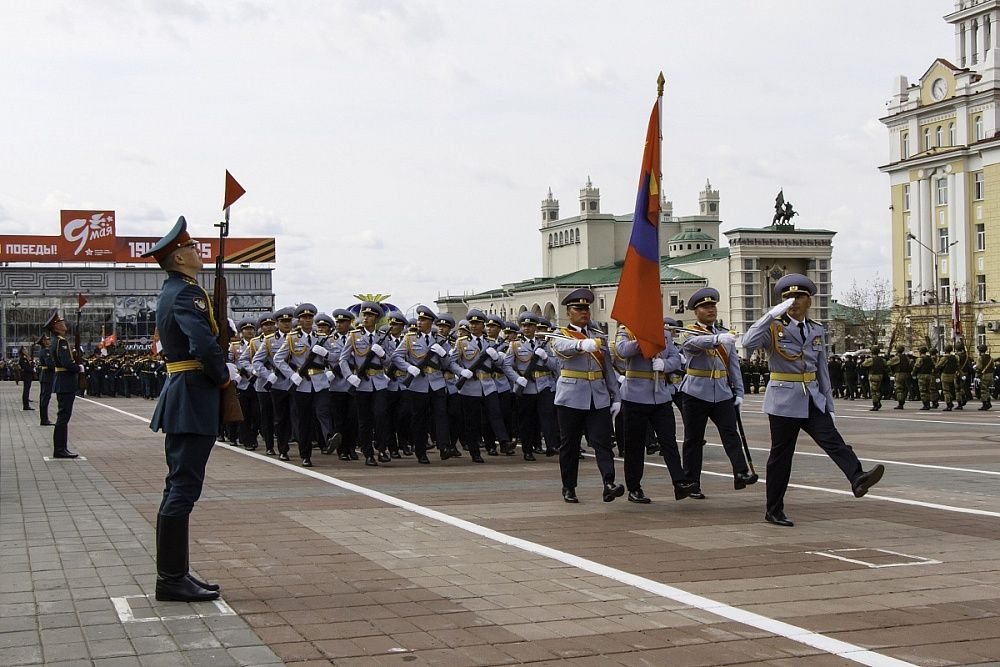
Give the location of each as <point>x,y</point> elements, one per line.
<point>588,250</point>
<point>944,175</point>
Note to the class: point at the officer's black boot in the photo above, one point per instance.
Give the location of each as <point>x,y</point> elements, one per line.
<point>927,405</point>
<point>983,406</point>
<point>899,407</point>
<point>187,564</point>
<point>172,578</point>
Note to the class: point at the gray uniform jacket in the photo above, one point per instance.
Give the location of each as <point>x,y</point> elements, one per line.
<point>600,388</point>
<point>788,354</point>
<point>415,350</point>
<point>263,362</point>
<point>704,357</point>
<point>245,364</point>
<point>463,355</point>
<point>295,349</point>
<point>355,346</point>
<point>519,357</point>
<point>394,374</point>
<point>335,343</point>
<point>641,384</point>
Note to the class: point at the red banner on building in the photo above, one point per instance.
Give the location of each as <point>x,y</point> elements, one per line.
<point>89,236</point>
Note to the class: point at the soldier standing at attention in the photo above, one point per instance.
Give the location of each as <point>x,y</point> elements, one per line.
<point>64,386</point>
<point>587,398</point>
<point>188,409</point>
<point>900,366</point>
<point>946,367</point>
<point>923,370</point>
<point>876,367</point>
<point>46,376</point>
<point>713,389</point>
<point>799,395</point>
<point>984,367</point>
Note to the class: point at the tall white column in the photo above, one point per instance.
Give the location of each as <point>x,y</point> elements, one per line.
<point>926,237</point>
<point>958,265</point>
<point>916,252</point>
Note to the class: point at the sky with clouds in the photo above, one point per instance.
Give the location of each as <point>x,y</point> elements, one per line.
<point>403,146</point>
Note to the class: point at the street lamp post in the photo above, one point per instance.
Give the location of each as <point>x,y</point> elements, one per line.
<point>3,319</point>
<point>937,287</point>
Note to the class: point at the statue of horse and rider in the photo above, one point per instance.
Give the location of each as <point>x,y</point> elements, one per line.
<point>783,211</point>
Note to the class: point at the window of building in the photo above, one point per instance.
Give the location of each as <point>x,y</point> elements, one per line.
<point>748,302</point>
<point>824,264</point>
<point>552,215</point>
<point>713,207</point>
<point>961,45</point>
<point>593,206</point>
<point>550,240</point>
<point>689,246</point>
<point>951,134</point>
<point>583,207</point>
<point>748,277</point>
<point>824,277</point>
<point>748,289</point>
<point>988,30</point>
<point>927,138</point>
<point>939,136</point>
<point>977,125</point>
<point>602,301</point>
<point>908,248</point>
<point>577,235</point>
<point>824,302</point>
<point>942,191</point>
<point>980,236</point>
<point>981,335</point>
<point>673,301</point>
<point>978,186</point>
<point>748,264</point>
<point>943,240</point>
<point>975,42</point>
<point>980,288</point>
<point>906,196</point>
<point>909,292</point>
<point>904,145</point>
<point>945,290</point>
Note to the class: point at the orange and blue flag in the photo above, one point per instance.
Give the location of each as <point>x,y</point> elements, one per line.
<point>639,305</point>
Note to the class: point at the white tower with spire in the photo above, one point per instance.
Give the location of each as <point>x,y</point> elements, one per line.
<point>590,199</point>
<point>550,209</point>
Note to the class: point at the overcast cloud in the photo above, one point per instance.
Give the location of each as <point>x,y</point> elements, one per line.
<point>403,147</point>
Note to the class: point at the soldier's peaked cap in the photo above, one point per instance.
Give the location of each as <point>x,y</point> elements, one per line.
<point>475,315</point>
<point>396,317</point>
<point>371,308</point>
<point>528,317</point>
<point>703,297</point>
<point>446,319</point>
<point>285,313</point>
<point>266,318</point>
<point>671,322</point>
<point>579,297</point>
<point>495,320</point>
<point>425,313</point>
<point>247,323</point>
<point>343,315</point>
<point>511,326</point>
<point>794,284</point>
<point>306,310</point>
<point>53,318</point>
<point>177,237</point>
<point>323,318</point>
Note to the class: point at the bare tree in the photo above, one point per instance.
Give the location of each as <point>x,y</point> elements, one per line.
<point>871,304</point>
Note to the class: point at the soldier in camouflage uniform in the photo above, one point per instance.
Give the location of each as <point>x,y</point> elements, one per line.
<point>876,367</point>
<point>984,368</point>
<point>936,381</point>
<point>923,371</point>
<point>963,376</point>
<point>900,367</point>
<point>947,366</point>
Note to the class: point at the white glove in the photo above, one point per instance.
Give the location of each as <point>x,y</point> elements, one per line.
<point>541,353</point>
<point>354,380</point>
<point>272,378</point>
<point>727,339</point>
<point>438,350</point>
<point>84,370</point>
<point>329,376</point>
<point>320,350</point>
<point>234,372</point>
<point>522,382</point>
<point>413,370</point>
<point>963,378</point>
<point>492,353</point>
<point>466,373</point>
<point>616,407</point>
<point>377,349</point>
<point>739,401</point>
<point>296,379</point>
<point>658,364</point>
<point>621,379</point>
<point>588,345</point>
<point>781,308</point>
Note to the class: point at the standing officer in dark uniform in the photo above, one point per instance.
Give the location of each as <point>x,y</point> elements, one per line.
<point>188,409</point>
<point>799,395</point>
<point>27,367</point>
<point>64,385</point>
<point>46,376</point>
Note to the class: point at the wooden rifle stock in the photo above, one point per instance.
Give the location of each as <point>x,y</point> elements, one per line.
<point>229,404</point>
<point>433,362</point>
<point>81,376</point>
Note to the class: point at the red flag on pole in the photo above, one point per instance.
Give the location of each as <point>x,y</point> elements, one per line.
<point>233,191</point>
<point>81,301</point>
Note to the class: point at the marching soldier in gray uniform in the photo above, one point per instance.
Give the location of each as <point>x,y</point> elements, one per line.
<point>713,389</point>
<point>799,396</point>
<point>397,401</point>
<point>475,359</point>
<point>646,402</point>
<point>445,325</point>
<point>280,387</point>
<point>323,400</point>
<point>343,411</point>
<point>245,390</point>
<point>587,398</point>
<point>529,365</point>
<point>265,409</point>
<point>505,398</point>
<point>371,384</point>
<point>302,349</point>
<point>422,356</point>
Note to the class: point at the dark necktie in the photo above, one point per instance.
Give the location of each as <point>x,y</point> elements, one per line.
<point>802,331</point>
<point>427,340</point>
<point>480,342</point>
<point>370,339</point>
<point>309,340</point>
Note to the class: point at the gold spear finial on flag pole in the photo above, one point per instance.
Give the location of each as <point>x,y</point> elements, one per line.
<point>660,80</point>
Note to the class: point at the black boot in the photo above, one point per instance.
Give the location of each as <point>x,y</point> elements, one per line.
<point>187,565</point>
<point>899,407</point>
<point>949,407</point>
<point>927,405</point>
<point>173,581</point>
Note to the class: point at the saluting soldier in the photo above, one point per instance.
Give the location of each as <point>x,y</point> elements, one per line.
<point>265,408</point>
<point>984,367</point>
<point>713,389</point>
<point>421,355</point>
<point>189,407</point>
<point>300,346</point>
<point>900,366</point>
<point>64,385</point>
<point>46,376</point>
<point>647,395</point>
<point>343,411</point>
<point>279,384</point>
<point>587,397</point>
<point>876,367</point>
<point>527,364</point>
<point>370,394</point>
<point>799,395</point>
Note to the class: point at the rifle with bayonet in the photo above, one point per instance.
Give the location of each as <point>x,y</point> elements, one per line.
<point>229,404</point>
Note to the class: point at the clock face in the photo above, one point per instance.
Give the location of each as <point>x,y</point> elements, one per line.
<point>939,89</point>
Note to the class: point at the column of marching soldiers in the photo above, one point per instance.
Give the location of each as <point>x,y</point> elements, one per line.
<point>953,378</point>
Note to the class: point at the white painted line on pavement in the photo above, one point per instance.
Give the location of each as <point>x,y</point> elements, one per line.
<point>127,615</point>
<point>794,633</point>
<point>914,560</point>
